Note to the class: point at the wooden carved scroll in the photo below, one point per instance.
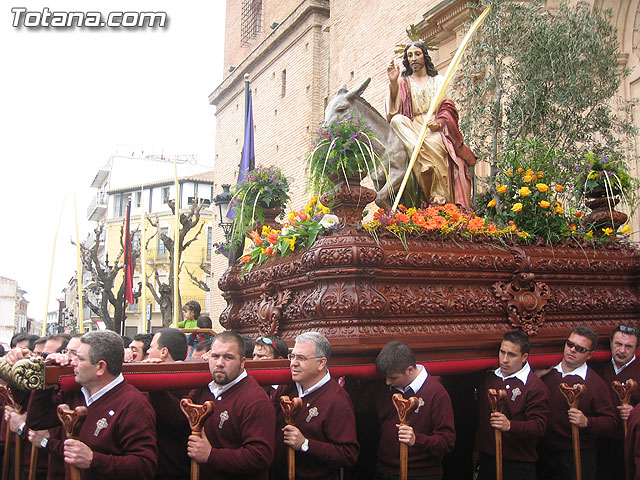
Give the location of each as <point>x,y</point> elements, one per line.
<point>624,390</point>
<point>289,408</point>
<point>571,395</point>
<point>196,415</point>
<point>404,407</point>
<point>496,399</point>
<point>72,421</point>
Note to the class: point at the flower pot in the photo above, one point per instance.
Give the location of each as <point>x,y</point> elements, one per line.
<point>603,215</point>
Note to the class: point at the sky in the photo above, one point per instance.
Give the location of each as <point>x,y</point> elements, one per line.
<point>72,97</point>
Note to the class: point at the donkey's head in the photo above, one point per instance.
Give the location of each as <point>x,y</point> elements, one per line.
<point>343,105</point>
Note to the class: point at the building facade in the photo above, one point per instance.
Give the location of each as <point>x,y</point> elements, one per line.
<point>13,310</point>
<point>297,54</point>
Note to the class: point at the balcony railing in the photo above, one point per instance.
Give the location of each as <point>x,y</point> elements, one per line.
<point>97,207</point>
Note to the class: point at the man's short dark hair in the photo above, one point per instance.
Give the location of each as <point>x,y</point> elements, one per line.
<point>249,345</point>
<point>395,357</point>
<point>126,341</point>
<point>145,338</point>
<point>519,338</point>
<point>40,340</point>
<point>194,307</point>
<point>204,346</point>
<point>232,337</point>
<point>587,332</point>
<point>107,346</point>
<point>64,340</point>
<point>22,336</point>
<point>175,341</point>
<point>204,322</point>
<point>627,330</point>
<point>276,344</point>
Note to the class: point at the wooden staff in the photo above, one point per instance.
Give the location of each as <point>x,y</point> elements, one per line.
<point>196,414</point>
<point>405,408</point>
<point>33,462</point>
<point>5,393</point>
<point>289,408</point>
<point>496,397</point>
<point>624,393</point>
<point>72,421</point>
<point>571,395</point>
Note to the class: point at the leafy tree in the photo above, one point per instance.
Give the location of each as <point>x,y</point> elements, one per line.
<point>551,76</point>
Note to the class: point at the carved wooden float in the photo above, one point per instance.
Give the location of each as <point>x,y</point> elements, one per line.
<point>449,300</point>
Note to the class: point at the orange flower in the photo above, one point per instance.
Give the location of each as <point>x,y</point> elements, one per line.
<point>268,251</point>
<point>256,238</point>
<point>476,223</point>
<point>501,189</point>
<point>272,237</point>
<point>245,258</point>
<point>401,217</point>
<point>419,220</point>
<point>378,213</point>
<point>559,188</point>
<point>451,207</point>
<point>402,208</point>
<point>302,215</point>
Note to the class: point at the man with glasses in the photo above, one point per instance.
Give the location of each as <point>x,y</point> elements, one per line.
<point>624,344</point>
<point>324,432</point>
<point>594,416</point>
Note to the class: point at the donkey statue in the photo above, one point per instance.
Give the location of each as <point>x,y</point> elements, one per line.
<point>393,164</point>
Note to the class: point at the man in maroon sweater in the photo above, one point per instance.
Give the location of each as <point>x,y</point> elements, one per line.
<point>594,416</point>
<point>430,433</point>
<point>324,434</point>
<point>624,344</point>
<point>522,418</point>
<point>118,437</point>
<point>237,439</point>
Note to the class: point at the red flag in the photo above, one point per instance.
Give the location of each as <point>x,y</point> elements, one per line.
<point>128,259</point>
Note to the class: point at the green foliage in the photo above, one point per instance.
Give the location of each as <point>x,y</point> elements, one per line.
<point>545,74</point>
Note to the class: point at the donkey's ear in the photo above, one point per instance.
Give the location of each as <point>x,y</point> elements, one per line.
<point>343,90</point>
<point>357,92</point>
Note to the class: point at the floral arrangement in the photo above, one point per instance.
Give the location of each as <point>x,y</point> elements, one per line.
<point>342,149</point>
<point>534,206</point>
<point>264,187</point>
<point>603,176</point>
<point>301,230</point>
<point>438,220</point>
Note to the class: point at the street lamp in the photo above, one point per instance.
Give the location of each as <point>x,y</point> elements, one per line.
<point>222,201</point>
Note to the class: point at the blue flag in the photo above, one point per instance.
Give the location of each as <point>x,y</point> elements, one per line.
<point>248,161</point>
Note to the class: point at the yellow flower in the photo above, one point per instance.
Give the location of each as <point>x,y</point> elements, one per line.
<point>520,170</point>
<point>524,191</point>
<point>492,203</point>
<point>529,172</point>
<point>527,178</point>
<point>322,208</point>
<point>559,188</point>
<point>542,187</point>
<point>516,207</point>
<point>501,189</point>
<point>291,242</point>
<point>509,172</point>
<point>559,210</point>
<point>534,178</point>
<point>626,229</point>
<point>540,174</point>
<point>589,235</point>
<point>607,231</point>
<point>544,204</point>
<point>266,230</point>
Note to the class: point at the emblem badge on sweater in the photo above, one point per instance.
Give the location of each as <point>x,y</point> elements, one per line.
<point>420,404</point>
<point>514,394</point>
<point>224,416</point>
<point>100,424</point>
<point>313,412</point>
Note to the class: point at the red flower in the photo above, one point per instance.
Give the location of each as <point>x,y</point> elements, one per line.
<point>302,215</point>
<point>245,258</point>
<point>256,238</point>
<point>401,217</point>
<point>272,237</point>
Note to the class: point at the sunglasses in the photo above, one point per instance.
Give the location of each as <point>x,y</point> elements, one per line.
<point>265,340</point>
<point>626,329</point>
<point>578,348</point>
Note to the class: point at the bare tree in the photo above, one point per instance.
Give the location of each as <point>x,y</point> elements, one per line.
<point>164,293</point>
<point>196,281</point>
<point>103,277</point>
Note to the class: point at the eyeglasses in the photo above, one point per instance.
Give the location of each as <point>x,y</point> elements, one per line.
<point>71,353</point>
<point>265,340</point>
<point>578,348</point>
<point>626,329</point>
<point>301,358</point>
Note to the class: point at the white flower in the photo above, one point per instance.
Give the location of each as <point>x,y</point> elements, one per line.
<point>285,231</point>
<point>329,221</point>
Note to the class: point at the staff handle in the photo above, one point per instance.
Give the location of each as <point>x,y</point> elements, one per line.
<point>72,421</point>
<point>289,408</point>
<point>496,397</point>
<point>623,390</point>
<point>196,415</point>
<point>405,407</point>
<point>5,393</point>
<point>571,395</point>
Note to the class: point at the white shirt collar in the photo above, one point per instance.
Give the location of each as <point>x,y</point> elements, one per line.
<point>417,382</point>
<point>218,390</point>
<point>89,399</point>
<point>581,371</point>
<point>313,388</point>
<point>618,370</point>
<point>522,374</point>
